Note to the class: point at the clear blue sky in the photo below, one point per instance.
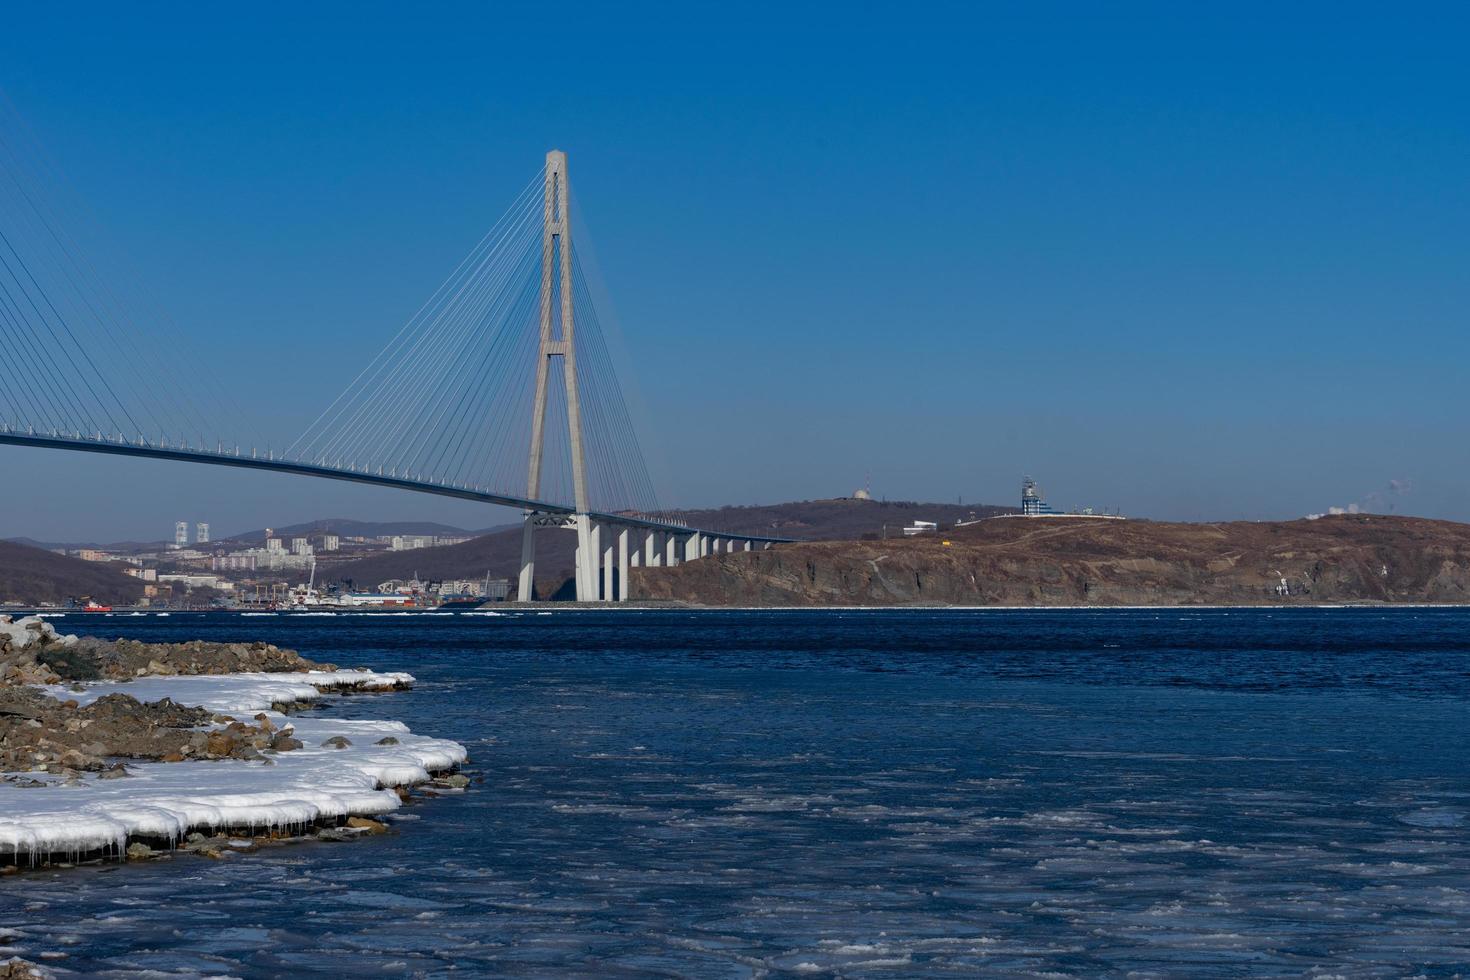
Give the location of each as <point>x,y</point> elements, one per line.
<point>1197,265</point>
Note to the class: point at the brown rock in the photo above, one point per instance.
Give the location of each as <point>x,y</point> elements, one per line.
<point>371,826</point>
<point>219,744</point>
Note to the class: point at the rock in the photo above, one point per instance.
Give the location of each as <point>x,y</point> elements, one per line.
<point>172,757</point>
<point>33,644</point>
<point>265,722</point>
<point>386,740</point>
<point>24,702</point>
<point>16,968</point>
<point>371,826</point>
<point>219,744</point>
<point>140,852</point>
<point>285,743</point>
<point>118,771</point>
<point>453,781</point>
<point>335,835</point>
<point>73,759</point>
<point>337,742</point>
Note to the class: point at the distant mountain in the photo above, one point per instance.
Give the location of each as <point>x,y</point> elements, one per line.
<point>499,552</point>
<point>337,525</point>
<point>74,545</point>
<point>366,529</point>
<point>35,576</point>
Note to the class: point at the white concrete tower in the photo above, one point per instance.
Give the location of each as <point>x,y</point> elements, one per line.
<point>556,282</point>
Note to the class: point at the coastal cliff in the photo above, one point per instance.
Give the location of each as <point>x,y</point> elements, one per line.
<point>1077,561</point>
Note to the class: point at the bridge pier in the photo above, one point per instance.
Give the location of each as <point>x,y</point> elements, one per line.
<point>671,545</point>
<point>526,592</point>
<point>608,566</point>
<point>623,565</point>
<point>586,571</point>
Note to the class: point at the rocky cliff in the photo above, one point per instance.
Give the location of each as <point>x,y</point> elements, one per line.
<point>1076,561</point>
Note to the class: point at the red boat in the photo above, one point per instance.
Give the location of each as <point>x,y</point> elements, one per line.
<point>95,607</point>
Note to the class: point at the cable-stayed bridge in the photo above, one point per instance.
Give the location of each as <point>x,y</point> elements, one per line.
<point>500,389</point>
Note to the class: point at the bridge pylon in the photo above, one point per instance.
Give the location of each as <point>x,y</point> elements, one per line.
<point>559,343</point>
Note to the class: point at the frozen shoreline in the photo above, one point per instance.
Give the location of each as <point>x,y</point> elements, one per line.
<point>168,800</point>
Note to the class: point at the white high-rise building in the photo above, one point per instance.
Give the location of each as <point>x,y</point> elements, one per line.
<point>181,534</point>
<point>300,546</point>
<point>201,532</point>
<point>331,542</point>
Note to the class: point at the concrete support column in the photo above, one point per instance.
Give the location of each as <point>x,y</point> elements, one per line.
<point>637,559</point>
<point>747,546</point>
<point>673,550</point>
<point>528,560</point>
<point>608,565</point>
<point>703,546</point>
<point>586,560</point>
<point>650,548</point>
<point>623,565</point>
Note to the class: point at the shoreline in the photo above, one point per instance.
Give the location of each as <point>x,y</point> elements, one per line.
<point>241,770</point>
<point>634,606</point>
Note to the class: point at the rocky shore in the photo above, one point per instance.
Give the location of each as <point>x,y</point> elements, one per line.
<point>40,731</point>
<point>114,750</point>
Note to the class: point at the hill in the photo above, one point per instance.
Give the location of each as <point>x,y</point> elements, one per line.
<point>499,553</point>
<point>33,576</point>
<point>1075,561</point>
<point>349,528</point>
<point>836,519</point>
<point>100,545</point>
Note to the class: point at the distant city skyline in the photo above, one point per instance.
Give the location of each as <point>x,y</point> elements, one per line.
<point>1200,270</point>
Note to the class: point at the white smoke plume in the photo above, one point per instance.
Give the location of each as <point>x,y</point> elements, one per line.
<point>1377,502</point>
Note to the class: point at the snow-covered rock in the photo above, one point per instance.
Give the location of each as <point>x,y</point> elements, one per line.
<point>288,789</point>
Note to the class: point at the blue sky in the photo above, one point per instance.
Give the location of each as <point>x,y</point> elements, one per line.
<point>1193,265</point>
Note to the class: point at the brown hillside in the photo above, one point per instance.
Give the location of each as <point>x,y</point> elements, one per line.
<point>33,577</point>
<point>1070,561</point>
<point>500,553</point>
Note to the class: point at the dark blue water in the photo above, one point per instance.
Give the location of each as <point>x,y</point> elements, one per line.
<point>1172,793</point>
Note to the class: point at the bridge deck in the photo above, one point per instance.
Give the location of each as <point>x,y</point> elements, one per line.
<point>79,443</point>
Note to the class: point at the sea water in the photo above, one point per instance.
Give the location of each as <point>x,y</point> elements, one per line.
<point>1072,792</point>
